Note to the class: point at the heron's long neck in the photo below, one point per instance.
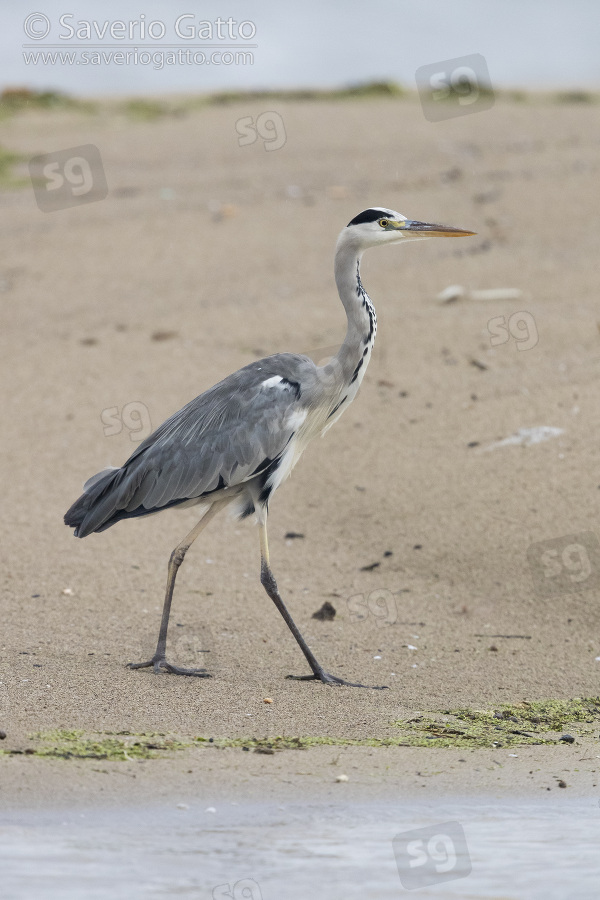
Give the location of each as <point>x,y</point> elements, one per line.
<point>355,352</point>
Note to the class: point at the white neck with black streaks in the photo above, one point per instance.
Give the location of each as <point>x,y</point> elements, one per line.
<point>355,353</point>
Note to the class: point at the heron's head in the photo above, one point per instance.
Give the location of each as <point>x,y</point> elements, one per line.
<point>384,226</point>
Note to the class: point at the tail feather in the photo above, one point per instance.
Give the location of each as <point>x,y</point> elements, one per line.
<point>96,478</point>
<point>97,503</point>
<point>114,494</point>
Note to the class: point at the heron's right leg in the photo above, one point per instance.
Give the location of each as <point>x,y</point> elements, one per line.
<point>159,661</point>
<point>270,585</point>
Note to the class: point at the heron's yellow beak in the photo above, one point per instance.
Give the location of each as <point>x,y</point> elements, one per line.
<point>429,230</point>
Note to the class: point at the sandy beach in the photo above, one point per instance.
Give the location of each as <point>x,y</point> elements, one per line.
<point>449,517</point>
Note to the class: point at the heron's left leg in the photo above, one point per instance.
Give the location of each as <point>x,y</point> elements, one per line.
<point>159,660</point>
<point>270,585</point>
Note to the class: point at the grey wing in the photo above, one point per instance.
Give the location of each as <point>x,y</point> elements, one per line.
<point>222,438</point>
<point>226,436</point>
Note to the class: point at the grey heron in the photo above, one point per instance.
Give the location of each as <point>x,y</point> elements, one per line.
<point>239,440</point>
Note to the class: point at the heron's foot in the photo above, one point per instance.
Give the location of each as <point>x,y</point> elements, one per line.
<point>326,678</point>
<point>159,663</point>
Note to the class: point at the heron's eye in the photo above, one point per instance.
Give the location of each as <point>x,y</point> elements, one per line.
<point>384,223</point>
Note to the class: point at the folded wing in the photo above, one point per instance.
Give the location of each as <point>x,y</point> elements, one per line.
<point>221,439</point>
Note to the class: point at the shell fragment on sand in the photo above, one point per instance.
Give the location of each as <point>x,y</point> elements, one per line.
<point>455,292</point>
<point>526,437</point>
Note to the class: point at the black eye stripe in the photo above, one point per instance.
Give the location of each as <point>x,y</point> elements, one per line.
<point>370,215</point>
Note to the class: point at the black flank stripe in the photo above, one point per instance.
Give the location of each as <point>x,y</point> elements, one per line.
<point>295,387</point>
<point>356,371</point>
<point>264,476</point>
<point>335,408</point>
<point>247,511</point>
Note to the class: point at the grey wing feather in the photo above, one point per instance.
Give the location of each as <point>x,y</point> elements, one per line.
<point>224,437</point>
<point>100,475</point>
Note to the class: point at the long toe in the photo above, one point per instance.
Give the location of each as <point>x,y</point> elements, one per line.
<point>326,678</point>
<point>159,664</point>
<point>176,670</point>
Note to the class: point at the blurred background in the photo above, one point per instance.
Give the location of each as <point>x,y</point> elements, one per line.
<point>527,43</point>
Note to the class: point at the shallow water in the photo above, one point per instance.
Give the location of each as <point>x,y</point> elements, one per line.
<point>544,849</point>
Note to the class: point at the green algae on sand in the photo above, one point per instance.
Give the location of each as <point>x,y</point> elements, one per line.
<point>506,725</point>
<point>65,744</point>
